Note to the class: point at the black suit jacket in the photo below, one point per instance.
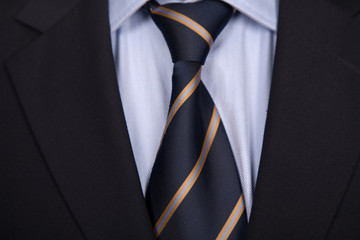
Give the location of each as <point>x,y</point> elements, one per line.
<point>66,166</point>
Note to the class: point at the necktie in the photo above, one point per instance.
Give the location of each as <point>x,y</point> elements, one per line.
<point>194,190</point>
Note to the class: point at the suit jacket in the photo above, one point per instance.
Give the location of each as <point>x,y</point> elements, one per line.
<point>66,166</point>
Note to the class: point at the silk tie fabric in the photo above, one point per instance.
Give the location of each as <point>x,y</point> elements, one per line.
<point>194,190</point>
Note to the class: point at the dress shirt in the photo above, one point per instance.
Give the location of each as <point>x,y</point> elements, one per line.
<point>237,74</point>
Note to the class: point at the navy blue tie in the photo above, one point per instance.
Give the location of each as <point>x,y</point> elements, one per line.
<point>194,190</point>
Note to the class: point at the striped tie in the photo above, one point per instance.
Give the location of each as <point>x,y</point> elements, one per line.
<point>194,191</point>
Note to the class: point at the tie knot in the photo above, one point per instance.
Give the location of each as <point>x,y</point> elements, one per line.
<point>191,28</point>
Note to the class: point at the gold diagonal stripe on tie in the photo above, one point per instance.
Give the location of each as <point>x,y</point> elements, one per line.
<point>191,178</point>
<point>180,100</point>
<point>188,22</point>
<point>183,96</point>
<point>232,220</point>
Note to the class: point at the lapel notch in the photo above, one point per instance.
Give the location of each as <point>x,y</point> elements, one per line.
<point>43,14</point>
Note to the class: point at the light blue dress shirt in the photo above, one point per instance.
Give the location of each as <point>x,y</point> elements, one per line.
<point>237,74</point>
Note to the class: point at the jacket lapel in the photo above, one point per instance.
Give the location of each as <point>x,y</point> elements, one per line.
<point>67,85</point>
<point>312,135</point>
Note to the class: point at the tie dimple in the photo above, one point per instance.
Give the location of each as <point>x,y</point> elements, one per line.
<point>188,31</point>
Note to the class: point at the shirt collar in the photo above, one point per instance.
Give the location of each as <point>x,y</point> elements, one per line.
<point>265,12</point>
